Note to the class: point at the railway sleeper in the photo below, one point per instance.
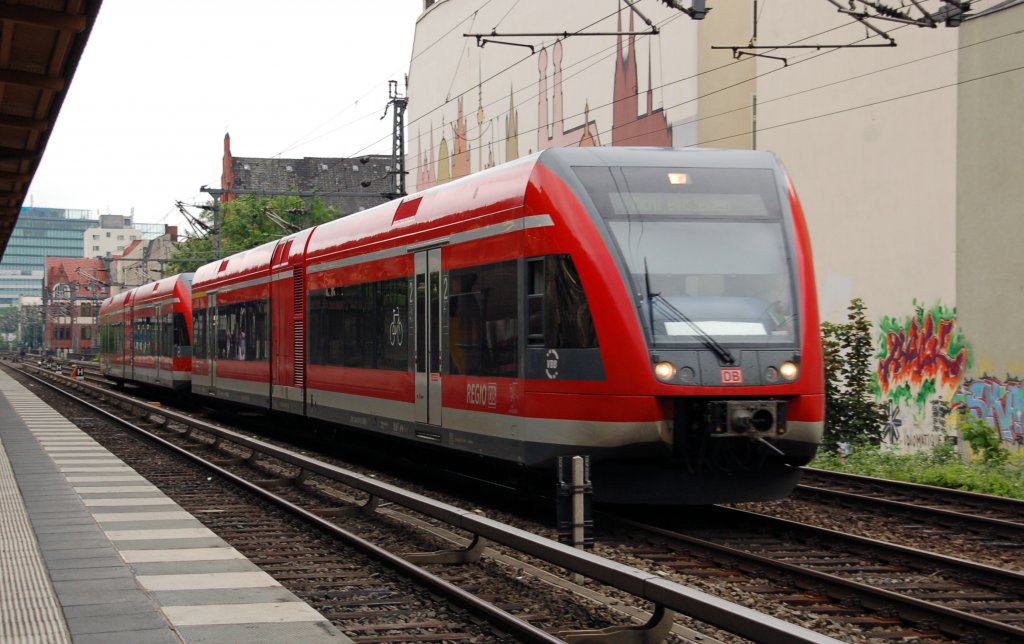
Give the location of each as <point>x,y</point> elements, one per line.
<point>469,554</point>
<point>370,505</point>
<point>656,629</point>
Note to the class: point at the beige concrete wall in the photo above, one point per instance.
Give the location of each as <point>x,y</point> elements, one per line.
<point>873,162</point>
<point>472,107</point>
<point>869,137</point>
<point>726,85</point>
<point>990,217</point>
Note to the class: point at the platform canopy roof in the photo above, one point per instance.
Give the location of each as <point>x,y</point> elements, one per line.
<point>41,42</point>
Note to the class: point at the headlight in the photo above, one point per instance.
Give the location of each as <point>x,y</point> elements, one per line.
<point>789,370</point>
<point>665,371</point>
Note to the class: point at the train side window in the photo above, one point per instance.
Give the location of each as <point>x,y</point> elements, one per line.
<point>483,320</point>
<point>227,326</point>
<point>167,335</point>
<point>351,326</point>
<point>392,317</point>
<point>535,301</point>
<point>198,333</point>
<point>560,316</point>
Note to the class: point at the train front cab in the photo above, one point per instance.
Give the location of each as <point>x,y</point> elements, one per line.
<point>714,263</point>
<point>157,333</point>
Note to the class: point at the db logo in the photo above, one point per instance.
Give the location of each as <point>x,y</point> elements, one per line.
<point>732,376</point>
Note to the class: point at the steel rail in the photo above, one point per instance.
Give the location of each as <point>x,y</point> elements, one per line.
<point>998,503</point>
<point>489,611</point>
<point>914,508</point>
<point>707,608</point>
<point>916,610</point>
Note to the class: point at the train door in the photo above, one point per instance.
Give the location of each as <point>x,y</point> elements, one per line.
<point>129,341</point>
<point>158,340</point>
<point>210,322</point>
<point>427,295</point>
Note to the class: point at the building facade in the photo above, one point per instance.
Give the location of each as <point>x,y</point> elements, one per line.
<point>143,261</point>
<point>989,221</point>
<point>111,237</point>
<point>347,185</point>
<point>902,143</point>
<point>40,233</point>
<point>72,293</point>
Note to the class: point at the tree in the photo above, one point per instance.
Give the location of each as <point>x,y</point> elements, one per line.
<point>247,222</point>
<point>852,414</point>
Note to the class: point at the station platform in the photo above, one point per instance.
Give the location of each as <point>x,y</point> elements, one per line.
<point>92,552</point>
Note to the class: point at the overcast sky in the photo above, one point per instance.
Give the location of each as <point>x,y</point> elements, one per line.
<point>160,83</point>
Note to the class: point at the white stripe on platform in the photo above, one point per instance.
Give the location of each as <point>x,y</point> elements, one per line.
<point>106,479</point>
<point>180,554</point>
<point>85,469</point>
<point>99,459</point>
<point>156,500</point>
<point>128,517</point>
<point>207,581</point>
<point>97,489</point>
<point>241,614</point>
<point>72,450</point>
<point>175,533</point>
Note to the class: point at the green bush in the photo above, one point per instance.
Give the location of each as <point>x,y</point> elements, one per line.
<point>983,439</point>
<point>941,466</point>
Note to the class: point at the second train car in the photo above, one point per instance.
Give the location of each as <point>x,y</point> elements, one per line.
<point>652,308</point>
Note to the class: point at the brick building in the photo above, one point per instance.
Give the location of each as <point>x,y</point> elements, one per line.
<point>72,292</point>
<point>333,180</point>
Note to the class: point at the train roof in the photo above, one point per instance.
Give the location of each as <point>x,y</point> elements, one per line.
<point>421,215</point>
<point>242,264</point>
<point>147,292</point>
<point>116,302</point>
<point>162,288</point>
<point>658,157</point>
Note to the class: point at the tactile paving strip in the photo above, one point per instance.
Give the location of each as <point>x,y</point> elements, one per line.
<point>29,610</point>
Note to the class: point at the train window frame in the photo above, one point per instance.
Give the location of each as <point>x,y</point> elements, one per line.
<point>488,345</point>
<point>364,313</point>
<point>199,333</point>
<point>242,331</point>
<point>727,201</point>
<point>559,300</point>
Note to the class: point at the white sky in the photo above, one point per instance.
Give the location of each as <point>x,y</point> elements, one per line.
<point>160,83</point>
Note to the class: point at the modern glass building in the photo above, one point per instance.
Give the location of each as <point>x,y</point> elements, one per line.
<point>40,233</point>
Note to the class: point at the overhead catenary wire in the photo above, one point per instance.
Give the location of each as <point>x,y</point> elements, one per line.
<point>304,139</point>
<point>610,51</point>
<point>583,65</point>
<point>759,75</point>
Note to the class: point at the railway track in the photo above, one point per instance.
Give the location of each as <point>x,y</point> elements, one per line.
<point>495,591</point>
<point>886,590</point>
<point>965,510</point>
<point>870,587</point>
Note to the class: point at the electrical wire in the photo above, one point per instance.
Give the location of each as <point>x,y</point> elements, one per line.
<point>826,51</point>
<point>526,100</point>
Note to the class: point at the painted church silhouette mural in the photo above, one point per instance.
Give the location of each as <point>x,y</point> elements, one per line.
<point>634,119</point>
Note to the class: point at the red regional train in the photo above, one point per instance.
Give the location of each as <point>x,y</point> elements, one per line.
<point>145,334</point>
<point>652,308</point>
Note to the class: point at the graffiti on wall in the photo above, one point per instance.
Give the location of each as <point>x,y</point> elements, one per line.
<point>920,356</point>
<point>999,402</point>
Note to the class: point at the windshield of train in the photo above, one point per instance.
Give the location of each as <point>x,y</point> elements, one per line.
<point>706,251</point>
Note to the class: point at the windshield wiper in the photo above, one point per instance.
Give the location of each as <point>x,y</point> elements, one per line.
<point>655,301</point>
